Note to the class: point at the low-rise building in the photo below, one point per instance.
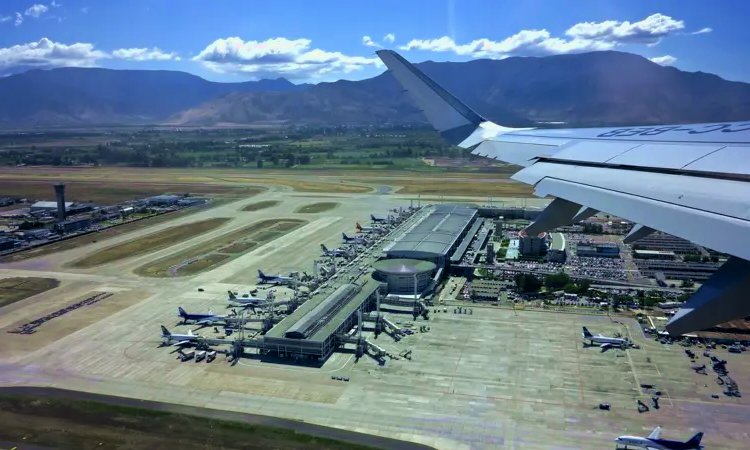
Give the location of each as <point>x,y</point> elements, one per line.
<point>69,226</point>
<point>654,254</point>
<point>598,249</point>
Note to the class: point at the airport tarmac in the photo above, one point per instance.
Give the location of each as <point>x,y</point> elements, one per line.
<point>493,379</point>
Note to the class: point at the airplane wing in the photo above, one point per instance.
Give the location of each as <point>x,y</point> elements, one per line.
<point>691,181</point>
<point>181,343</point>
<point>655,434</point>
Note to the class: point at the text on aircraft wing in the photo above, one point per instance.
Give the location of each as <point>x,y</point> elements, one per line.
<point>691,181</point>
<point>655,434</point>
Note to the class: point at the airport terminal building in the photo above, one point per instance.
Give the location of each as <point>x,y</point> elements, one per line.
<point>436,237</point>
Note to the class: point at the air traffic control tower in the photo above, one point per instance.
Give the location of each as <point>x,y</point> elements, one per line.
<point>60,196</point>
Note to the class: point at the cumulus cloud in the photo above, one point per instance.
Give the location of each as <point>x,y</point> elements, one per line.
<point>46,54</point>
<point>19,19</point>
<point>36,10</point>
<point>581,37</point>
<point>648,31</point>
<point>291,58</point>
<point>367,40</point>
<point>144,54</point>
<point>389,38</point>
<point>666,60</point>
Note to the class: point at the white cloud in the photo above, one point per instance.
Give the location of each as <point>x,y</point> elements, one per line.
<point>291,58</point>
<point>36,10</point>
<point>666,60</point>
<point>4,19</point>
<point>703,31</point>
<point>648,31</point>
<point>19,19</point>
<point>46,54</point>
<point>367,40</point>
<point>54,4</point>
<point>581,37</point>
<point>144,54</point>
<point>389,38</point>
<point>85,9</point>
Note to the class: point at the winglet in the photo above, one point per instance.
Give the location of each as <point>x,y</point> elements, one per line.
<point>454,120</point>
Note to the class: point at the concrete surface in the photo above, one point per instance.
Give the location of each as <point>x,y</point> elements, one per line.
<point>493,379</point>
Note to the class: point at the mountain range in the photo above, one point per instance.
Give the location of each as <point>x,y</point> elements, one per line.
<point>589,89</point>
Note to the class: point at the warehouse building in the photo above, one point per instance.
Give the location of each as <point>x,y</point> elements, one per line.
<point>312,330</point>
<point>163,200</point>
<point>598,249</point>
<point>663,241</point>
<point>69,226</point>
<point>436,236</point>
<point>676,269</point>
<point>403,276</point>
<point>488,290</point>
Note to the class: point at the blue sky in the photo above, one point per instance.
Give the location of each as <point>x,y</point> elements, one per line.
<point>325,40</point>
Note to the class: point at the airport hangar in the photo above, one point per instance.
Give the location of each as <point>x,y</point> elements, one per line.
<point>316,328</point>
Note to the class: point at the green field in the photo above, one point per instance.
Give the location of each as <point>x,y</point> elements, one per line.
<point>261,205</point>
<point>85,424</point>
<point>149,243</point>
<point>315,208</point>
<point>218,251</point>
<point>16,289</point>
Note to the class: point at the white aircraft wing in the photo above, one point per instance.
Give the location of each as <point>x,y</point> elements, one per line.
<point>655,434</point>
<point>691,181</point>
<point>181,343</point>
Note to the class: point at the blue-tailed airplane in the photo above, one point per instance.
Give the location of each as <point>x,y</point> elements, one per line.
<point>277,279</point>
<point>333,252</point>
<point>178,339</point>
<point>379,219</point>
<point>653,441</point>
<point>200,319</point>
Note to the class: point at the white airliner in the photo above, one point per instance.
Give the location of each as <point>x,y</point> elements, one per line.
<point>249,300</point>
<point>361,229</point>
<point>274,279</point>
<point>604,341</point>
<point>653,441</point>
<point>178,339</point>
<point>691,181</point>
<point>355,239</point>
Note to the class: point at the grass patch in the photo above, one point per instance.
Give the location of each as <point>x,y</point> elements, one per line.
<point>238,247</point>
<point>149,243</point>
<point>204,256</point>
<point>260,205</point>
<point>73,423</point>
<point>108,233</point>
<point>315,208</point>
<point>16,289</point>
<point>202,264</point>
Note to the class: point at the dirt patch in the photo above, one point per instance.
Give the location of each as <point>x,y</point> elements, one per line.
<point>316,186</point>
<point>74,423</point>
<point>260,205</point>
<point>212,254</point>
<point>149,243</point>
<point>108,233</point>
<point>16,289</point>
<point>315,208</point>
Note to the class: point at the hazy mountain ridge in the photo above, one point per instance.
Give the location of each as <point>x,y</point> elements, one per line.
<point>585,89</point>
